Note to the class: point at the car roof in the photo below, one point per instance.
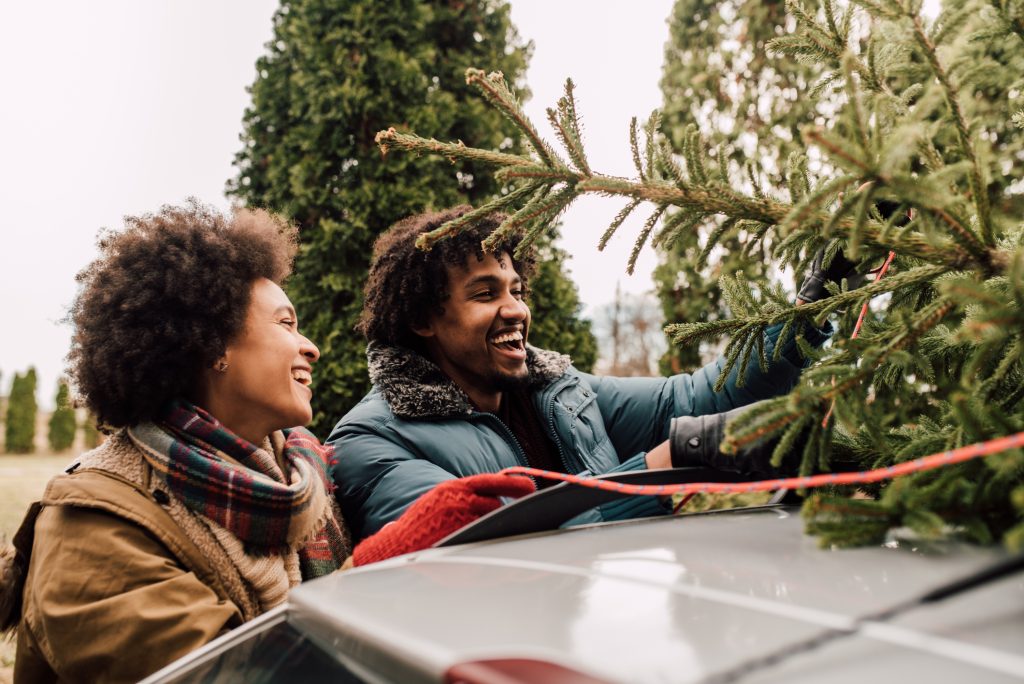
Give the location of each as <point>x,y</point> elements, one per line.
<point>738,594</point>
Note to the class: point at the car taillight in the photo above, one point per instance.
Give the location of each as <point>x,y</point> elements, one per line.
<point>516,671</point>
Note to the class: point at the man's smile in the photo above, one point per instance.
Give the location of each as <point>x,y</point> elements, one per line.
<point>510,344</point>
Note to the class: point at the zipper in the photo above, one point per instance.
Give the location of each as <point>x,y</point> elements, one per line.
<point>550,412</point>
<point>520,452</point>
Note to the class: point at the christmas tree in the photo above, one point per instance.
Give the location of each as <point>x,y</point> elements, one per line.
<point>718,81</point>
<point>335,72</point>
<point>914,151</point>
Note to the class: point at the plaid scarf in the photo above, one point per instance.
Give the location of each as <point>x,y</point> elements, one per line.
<point>253,500</point>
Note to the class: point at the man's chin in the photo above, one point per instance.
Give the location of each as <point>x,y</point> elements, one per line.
<point>508,382</point>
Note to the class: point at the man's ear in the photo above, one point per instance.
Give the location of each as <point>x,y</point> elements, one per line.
<point>425,330</point>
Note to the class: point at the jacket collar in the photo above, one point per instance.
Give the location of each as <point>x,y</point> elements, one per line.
<point>416,388</point>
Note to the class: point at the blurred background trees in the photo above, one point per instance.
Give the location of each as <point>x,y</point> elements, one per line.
<point>629,334</point>
<point>63,423</point>
<point>20,419</point>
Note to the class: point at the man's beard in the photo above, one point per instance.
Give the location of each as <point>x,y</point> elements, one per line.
<point>503,382</point>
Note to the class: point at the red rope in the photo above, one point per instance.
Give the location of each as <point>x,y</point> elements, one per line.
<point>856,330</point>
<point>964,453</point>
<point>864,309</point>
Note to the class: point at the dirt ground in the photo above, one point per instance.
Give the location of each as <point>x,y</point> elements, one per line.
<point>22,480</point>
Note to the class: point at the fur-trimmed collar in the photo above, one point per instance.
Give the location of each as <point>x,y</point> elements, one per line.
<point>416,388</point>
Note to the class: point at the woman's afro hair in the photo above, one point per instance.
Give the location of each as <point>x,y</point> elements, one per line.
<point>406,284</point>
<point>166,296</point>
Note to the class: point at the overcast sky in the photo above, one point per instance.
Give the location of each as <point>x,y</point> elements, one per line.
<point>116,107</point>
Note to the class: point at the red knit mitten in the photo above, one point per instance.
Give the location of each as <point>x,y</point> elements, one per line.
<point>447,507</point>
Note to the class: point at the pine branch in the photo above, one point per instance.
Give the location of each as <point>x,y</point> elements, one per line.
<point>642,239</point>
<point>804,399</point>
<point>566,124</point>
<point>689,333</point>
<point>392,139</point>
<point>531,219</point>
<point>427,240</point>
<point>979,191</point>
<point>634,147</point>
<point>700,196</point>
<point>617,222</point>
<point>496,91</point>
<point>976,251</point>
<point>1010,22</point>
<point>711,199</point>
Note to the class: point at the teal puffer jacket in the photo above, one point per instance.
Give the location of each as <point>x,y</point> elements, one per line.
<point>416,428</point>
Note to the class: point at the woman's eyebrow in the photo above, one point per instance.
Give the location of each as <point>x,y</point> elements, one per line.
<point>285,308</point>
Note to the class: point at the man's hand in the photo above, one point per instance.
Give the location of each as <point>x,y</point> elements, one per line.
<point>444,509</point>
<point>813,288</point>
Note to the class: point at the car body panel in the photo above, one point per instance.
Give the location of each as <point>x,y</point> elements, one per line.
<point>671,599</point>
<point>977,636</point>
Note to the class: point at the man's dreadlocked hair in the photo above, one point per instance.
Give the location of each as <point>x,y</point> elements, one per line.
<point>406,284</point>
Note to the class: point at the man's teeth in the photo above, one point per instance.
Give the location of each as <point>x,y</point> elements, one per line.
<point>507,337</point>
<point>301,376</point>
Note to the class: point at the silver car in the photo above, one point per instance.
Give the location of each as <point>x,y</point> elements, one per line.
<point>740,595</point>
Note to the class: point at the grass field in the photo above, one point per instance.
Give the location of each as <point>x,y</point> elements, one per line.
<point>22,480</point>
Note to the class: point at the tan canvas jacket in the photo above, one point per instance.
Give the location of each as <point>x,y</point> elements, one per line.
<point>114,589</point>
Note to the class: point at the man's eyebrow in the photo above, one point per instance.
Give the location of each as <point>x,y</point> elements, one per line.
<point>488,280</point>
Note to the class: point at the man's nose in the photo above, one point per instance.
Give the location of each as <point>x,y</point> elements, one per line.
<point>514,309</point>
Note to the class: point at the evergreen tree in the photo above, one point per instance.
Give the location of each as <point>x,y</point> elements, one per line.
<point>90,435</point>
<point>13,394</point>
<point>20,432</point>
<point>557,321</point>
<point>335,72</point>
<point>940,363</point>
<point>62,422</point>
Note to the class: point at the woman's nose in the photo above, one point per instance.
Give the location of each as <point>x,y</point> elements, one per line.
<point>309,350</point>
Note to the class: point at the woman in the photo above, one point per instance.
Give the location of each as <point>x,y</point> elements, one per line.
<point>206,504</point>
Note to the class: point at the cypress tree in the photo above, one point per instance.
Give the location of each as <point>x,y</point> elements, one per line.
<point>90,435</point>
<point>63,425</point>
<point>925,119</point>
<point>335,72</point>
<point>20,430</point>
<point>12,396</point>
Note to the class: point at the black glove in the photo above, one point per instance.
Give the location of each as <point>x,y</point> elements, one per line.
<point>813,287</point>
<point>694,442</point>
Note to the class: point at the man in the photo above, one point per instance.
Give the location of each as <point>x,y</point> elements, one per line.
<point>458,391</point>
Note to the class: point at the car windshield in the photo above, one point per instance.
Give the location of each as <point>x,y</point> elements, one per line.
<point>278,654</point>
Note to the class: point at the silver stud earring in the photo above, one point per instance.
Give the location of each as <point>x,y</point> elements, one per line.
<point>221,366</point>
